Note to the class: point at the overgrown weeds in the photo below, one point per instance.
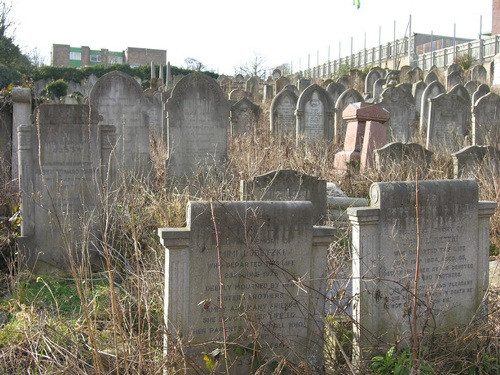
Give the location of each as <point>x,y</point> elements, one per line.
<point>112,321</point>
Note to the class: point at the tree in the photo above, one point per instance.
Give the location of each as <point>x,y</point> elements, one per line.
<point>193,64</point>
<point>254,67</point>
<point>10,54</point>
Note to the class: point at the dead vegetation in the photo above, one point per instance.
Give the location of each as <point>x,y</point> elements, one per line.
<point>112,321</point>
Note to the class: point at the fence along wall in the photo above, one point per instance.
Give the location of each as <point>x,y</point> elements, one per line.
<point>482,51</point>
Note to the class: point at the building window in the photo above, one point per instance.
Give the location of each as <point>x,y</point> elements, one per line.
<point>95,58</point>
<point>75,56</point>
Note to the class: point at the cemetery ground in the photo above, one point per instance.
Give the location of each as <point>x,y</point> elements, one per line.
<point>112,321</point>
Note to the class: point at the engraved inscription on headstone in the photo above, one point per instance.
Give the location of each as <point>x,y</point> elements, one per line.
<point>252,271</point>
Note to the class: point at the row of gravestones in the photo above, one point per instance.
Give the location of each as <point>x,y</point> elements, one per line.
<point>271,257</point>
<point>255,274</point>
<point>110,137</point>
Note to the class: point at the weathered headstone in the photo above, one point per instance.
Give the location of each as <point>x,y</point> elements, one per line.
<point>378,87</point>
<point>450,251</point>
<point>486,121</point>
<point>481,91</point>
<point>418,92</point>
<point>398,156</point>
<point>471,86</point>
<point>283,113</point>
<point>403,74</point>
<point>303,83</point>
<point>251,275</point>
<point>119,100</point>
<point>476,162</point>
<point>57,183</point>
<point>461,91</point>
<point>287,185</point>
<point>252,86</point>
<point>479,73</point>
<point>244,117</point>
<point>431,77</point>
<point>335,89</point>
<point>238,94</point>
<point>401,106</point>
<point>315,115</point>
<point>447,123</point>
<point>349,96</point>
<point>280,83</point>
<point>415,75</point>
<point>432,90</point>
<point>372,76</point>
<point>197,125</point>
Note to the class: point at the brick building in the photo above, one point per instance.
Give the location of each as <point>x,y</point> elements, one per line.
<point>65,55</point>
<point>495,24</point>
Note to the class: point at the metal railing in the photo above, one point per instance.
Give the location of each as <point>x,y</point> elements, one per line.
<point>396,54</point>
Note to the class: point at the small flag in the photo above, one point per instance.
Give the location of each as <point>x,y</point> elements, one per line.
<point>357,3</point>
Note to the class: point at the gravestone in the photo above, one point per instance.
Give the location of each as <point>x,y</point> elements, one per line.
<point>283,106</point>
<point>415,75</point>
<point>398,156</point>
<point>471,87</point>
<point>479,73</point>
<point>252,86</point>
<point>403,74</point>
<point>335,89</point>
<point>267,93</point>
<point>315,115</point>
<point>453,79</point>
<point>461,91</point>
<point>453,246</point>
<point>238,94</point>
<point>417,92</point>
<point>280,83</point>
<point>120,102</point>
<point>244,117</point>
<point>325,82</point>
<point>486,121</point>
<point>481,91</point>
<point>431,77</point>
<point>378,87</point>
<point>251,274</point>
<point>344,81</point>
<point>57,183</point>
<point>276,74</point>
<point>287,185</point>
<point>432,90</point>
<point>372,76</point>
<point>303,83</point>
<point>454,68</point>
<point>447,123</point>
<point>197,124</point>
<point>476,162</point>
<point>401,106</point>
<point>349,96</point>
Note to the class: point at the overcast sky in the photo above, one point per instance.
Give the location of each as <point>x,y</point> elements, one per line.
<point>225,34</point>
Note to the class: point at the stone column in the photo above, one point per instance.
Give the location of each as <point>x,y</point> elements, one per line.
<point>485,211</point>
<point>322,238</point>
<point>176,242</point>
<point>357,115</point>
<point>365,258</point>
<point>21,113</point>
<point>26,176</point>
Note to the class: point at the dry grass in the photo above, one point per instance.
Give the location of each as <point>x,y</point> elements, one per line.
<point>116,324</point>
